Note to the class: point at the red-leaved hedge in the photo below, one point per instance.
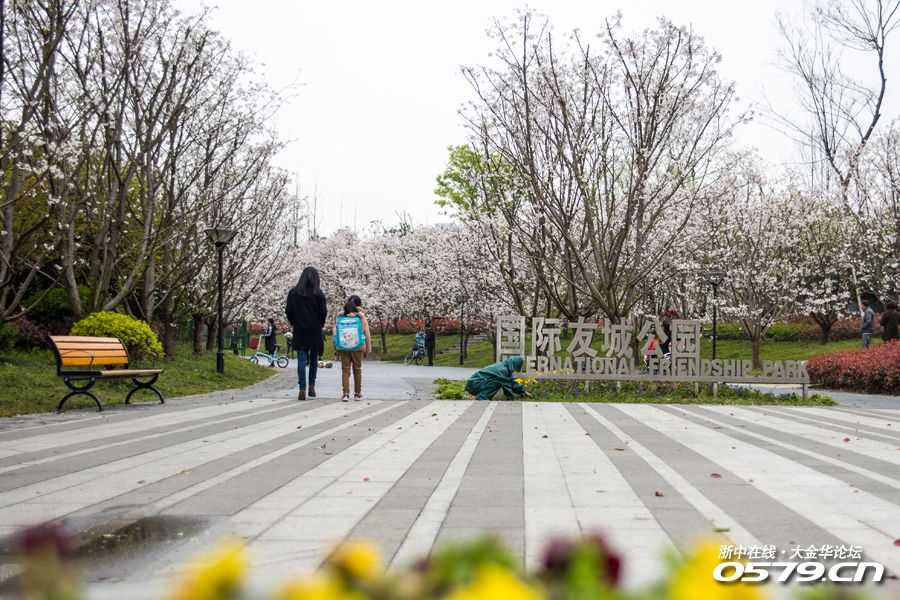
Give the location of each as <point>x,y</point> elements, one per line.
<point>876,370</point>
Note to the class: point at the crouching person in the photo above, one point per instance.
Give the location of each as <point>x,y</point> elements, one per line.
<point>490,380</point>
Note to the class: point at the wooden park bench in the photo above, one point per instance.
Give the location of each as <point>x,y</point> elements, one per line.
<point>92,359</point>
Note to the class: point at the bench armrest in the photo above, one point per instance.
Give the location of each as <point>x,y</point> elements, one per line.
<point>88,352</point>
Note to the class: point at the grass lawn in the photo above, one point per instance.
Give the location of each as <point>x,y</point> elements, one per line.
<point>29,384</point>
<point>559,391</point>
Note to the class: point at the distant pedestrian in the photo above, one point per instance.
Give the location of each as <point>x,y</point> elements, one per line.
<point>485,383</point>
<point>269,337</point>
<point>306,311</point>
<point>867,325</point>
<point>890,322</point>
<point>666,346</point>
<point>289,343</point>
<point>353,343</point>
<point>429,343</point>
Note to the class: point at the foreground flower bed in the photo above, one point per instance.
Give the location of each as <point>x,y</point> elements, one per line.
<point>875,370</point>
<point>483,569</point>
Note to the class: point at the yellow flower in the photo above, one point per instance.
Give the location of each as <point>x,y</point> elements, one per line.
<point>493,582</point>
<point>217,576</point>
<point>694,581</point>
<point>318,587</point>
<point>357,559</point>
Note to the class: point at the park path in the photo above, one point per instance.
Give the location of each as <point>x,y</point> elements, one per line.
<point>292,478</point>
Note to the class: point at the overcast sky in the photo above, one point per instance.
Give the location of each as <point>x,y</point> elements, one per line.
<point>378,107</point>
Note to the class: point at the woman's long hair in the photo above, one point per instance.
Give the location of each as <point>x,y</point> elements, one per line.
<point>308,285</point>
<point>353,302</point>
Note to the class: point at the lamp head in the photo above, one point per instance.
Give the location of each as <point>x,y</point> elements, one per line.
<point>715,276</point>
<point>220,236</point>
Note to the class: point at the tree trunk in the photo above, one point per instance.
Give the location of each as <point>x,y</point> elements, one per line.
<point>824,321</point>
<point>755,345</point>
<point>148,296</point>
<point>211,332</point>
<point>383,338</point>
<point>169,331</point>
<point>198,333</point>
<point>168,339</point>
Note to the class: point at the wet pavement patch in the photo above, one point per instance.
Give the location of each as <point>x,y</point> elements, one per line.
<point>116,549</point>
<point>113,554</point>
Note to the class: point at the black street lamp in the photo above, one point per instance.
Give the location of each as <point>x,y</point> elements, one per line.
<point>219,237</point>
<point>714,277</point>
<point>461,300</point>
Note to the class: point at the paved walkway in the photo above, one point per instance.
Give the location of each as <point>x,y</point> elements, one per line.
<point>148,487</point>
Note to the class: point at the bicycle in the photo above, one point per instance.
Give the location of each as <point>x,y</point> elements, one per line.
<point>415,355</point>
<point>274,358</point>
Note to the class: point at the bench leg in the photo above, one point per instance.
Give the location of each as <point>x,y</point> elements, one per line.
<point>145,385</point>
<point>85,389</point>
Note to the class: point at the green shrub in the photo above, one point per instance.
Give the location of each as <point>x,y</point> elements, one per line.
<point>135,334</point>
<point>53,309</point>
<point>8,335</point>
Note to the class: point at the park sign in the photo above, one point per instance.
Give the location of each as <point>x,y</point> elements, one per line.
<point>547,358</point>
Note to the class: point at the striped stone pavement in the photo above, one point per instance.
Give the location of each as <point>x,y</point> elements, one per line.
<point>148,488</point>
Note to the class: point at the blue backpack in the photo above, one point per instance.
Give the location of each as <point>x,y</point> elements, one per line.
<point>348,334</point>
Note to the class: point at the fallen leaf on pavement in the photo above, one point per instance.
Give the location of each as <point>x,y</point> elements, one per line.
<point>716,475</point>
<point>847,439</point>
<point>658,494</point>
<point>365,478</point>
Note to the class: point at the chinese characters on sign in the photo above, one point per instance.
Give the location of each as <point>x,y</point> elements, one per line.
<point>566,350</point>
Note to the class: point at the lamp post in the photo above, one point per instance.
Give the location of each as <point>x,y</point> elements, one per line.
<point>715,277</point>
<point>461,300</point>
<point>219,237</point>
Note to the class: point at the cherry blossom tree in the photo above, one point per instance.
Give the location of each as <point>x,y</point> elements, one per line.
<point>615,145</point>
<point>752,236</point>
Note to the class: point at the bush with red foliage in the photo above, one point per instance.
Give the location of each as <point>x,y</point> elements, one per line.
<point>875,370</point>
<point>31,334</point>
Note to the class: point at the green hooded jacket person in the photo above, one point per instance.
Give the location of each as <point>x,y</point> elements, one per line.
<point>490,380</point>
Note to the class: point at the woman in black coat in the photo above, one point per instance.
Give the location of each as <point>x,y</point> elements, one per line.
<point>306,312</point>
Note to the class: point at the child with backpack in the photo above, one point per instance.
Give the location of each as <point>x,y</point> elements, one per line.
<point>352,342</point>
